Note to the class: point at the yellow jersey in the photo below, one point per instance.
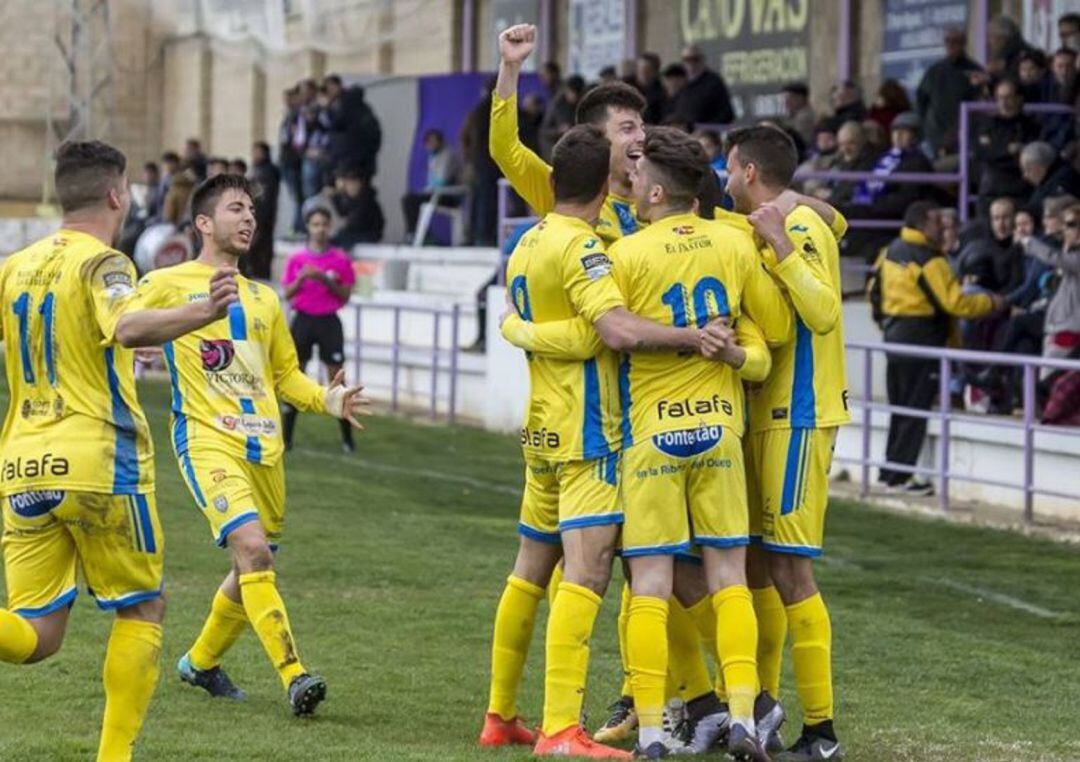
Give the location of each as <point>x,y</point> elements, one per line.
<point>808,384</point>
<point>226,376</point>
<point>559,270</point>
<point>685,271</point>
<point>73,421</point>
<point>530,176</point>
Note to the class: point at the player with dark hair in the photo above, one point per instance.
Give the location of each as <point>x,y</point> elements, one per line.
<point>226,379</point>
<point>318,281</point>
<point>793,424</point>
<point>78,477</point>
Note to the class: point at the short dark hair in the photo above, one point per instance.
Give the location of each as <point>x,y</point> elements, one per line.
<point>238,164</point>
<point>1064,52</point>
<point>262,145</point>
<point>85,173</point>
<point>593,107</point>
<point>651,57</point>
<point>171,156</point>
<point>575,83</point>
<point>1036,57</point>
<point>918,213</point>
<point>769,149</point>
<point>553,68</point>
<point>434,133</point>
<point>317,210</point>
<point>608,71</point>
<point>218,160</point>
<point>680,160</point>
<point>796,88</point>
<point>207,193</point>
<point>1069,18</point>
<point>580,164</point>
<point>674,70</point>
<point>332,79</point>
<point>151,166</point>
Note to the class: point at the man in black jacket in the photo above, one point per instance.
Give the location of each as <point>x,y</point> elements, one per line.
<point>945,85</point>
<point>999,139</point>
<point>705,99</point>
<point>358,206</point>
<point>258,261</point>
<point>354,135</point>
<point>1041,166</point>
<point>647,81</point>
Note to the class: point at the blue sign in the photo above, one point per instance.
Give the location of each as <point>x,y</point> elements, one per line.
<point>914,36</point>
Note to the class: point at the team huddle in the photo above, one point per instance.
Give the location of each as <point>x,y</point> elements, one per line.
<point>78,473</point>
<point>687,381</point>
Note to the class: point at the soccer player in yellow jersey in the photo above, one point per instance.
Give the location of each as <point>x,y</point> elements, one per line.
<point>226,381</point>
<point>793,422</point>
<point>616,108</point>
<point>571,437</point>
<point>77,473</point>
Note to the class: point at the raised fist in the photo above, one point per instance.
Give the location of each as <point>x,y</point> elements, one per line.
<point>517,42</point>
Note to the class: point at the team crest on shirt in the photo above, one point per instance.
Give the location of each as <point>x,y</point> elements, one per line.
<point>118,284</point>
<point>221,503</point>
<point>217,354</point>
<point>809,251</point>
<point>683,230</point>
<point>596,265</point>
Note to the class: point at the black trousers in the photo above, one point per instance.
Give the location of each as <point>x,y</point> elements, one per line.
<point>911,383</point>
<point>325,332</point>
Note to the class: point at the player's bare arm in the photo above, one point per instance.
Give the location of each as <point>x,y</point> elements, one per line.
<point>515,45</point>
<point>142,328</point>
<point>623,331</point>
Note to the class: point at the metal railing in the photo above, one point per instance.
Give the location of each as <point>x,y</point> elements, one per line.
<point>441,360</point>
<point>946,416</point>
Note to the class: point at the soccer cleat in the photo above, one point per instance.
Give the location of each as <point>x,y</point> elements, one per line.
<point>214,680</point>
<point>769,716</point>
<point>816,744</point>
<point>656,750</point>
<point>305,693</point>
<point>744,745</point>
<point>674,726</point>
<point>708,732</point>
<point>500,732</point>
<point>622,723</point>
<point>575,742</point>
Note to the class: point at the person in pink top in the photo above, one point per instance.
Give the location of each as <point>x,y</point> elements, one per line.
<point>318,280</point>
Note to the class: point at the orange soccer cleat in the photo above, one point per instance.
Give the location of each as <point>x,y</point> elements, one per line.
<point>575,742</point>
<point>500,732</point>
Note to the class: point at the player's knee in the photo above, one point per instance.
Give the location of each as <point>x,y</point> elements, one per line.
<point>152,610</point>
<point>48,644</point>
<point>252,555</point>
<point>793,577</point>
<point>594,573</point>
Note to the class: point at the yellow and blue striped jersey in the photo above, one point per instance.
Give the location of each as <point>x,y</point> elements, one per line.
<point>226,376</point>
<point>560,270</point>
<point>530,175</point>
<point>686,271</point>
<point>73,421</point>
<point>808,384</point>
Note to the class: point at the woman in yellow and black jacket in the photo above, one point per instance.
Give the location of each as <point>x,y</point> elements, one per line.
<point>915,295</point>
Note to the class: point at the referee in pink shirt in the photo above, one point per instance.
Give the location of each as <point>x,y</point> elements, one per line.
<point>318,281</point>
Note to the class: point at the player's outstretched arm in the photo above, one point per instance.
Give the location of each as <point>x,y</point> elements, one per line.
<point>347,402</point>
<point>151,327</point>
<point>624,331</point>
<point>815,297</point>
<point>571,339</point>
<point>527,173</point>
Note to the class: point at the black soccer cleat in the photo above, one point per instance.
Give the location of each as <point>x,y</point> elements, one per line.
<point>768,717</point>
<point>305,693</point>
<point>816,744</point>
<point>655,750</point>
<point>744,745</point>
<point>214,680</point>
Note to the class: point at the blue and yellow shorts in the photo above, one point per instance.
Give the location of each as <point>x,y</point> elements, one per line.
<point>232,491</point>
<point>568,495</point>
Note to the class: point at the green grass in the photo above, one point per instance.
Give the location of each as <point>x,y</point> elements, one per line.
<point>391,571</point>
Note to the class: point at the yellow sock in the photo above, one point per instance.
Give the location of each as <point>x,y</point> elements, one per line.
<point>705,618</point>
<point>131,674</point>
<point>686,660</point>
<point>624,617</point>
<point>570,625</point>
<point>514,620</point>
<point>647,651</point>
<point>266,612</point>
<point>811,655</point>
<point>226,622</point>
<point>18,640</point>
<point>772,631</point>
<point>736,646</point>
<point>554,582</point>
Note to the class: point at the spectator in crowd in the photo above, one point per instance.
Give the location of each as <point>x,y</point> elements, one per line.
<point>880,199</point>
<point>153,182</point>
<point>1059,130</point>
<point>267,178</point>
<point>714,148</point>
<point>847,103</point>
<point>950,235</point>
<point>145,208</point>
<point>1069,31</point>
<point>876,137</point>
<point>1043,169</point>
<point>482,171</point>
<point>1005,45</point>
<point>551,80</point>
<point>823,157</point>
<point>216,165</point>
<point>674,81</point>
<point>891,100</point>
<point>946,84</point>
<point>799,113</point>
<point>998,140</point>
<point>358,206</point>
<point>607,75</point>
<point>175,209</point>
<point>705,99</point>
<point>315,165</point>
<point>291,141</point>
<point>1062,328</point>
<point>318,281</point>
<point>647,80</point>
<point>1036,83</point>
<point>530,118</point>
<point>195,158</point>
<point>679,122</point>
<point>990,259</point>
<point>914,293</point>
<point>238,166</point>
<point>559,116</point>
<point>170,165</point>
<point>1063,71</point>
<point>442,171</point>
<point>353,132</point>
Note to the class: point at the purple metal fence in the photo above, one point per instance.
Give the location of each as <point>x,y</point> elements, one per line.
<point>947,416</point>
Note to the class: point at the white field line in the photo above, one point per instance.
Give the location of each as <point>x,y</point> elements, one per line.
<point>996,597</point>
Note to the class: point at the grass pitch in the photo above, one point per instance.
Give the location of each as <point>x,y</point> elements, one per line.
<point>951,642</point>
